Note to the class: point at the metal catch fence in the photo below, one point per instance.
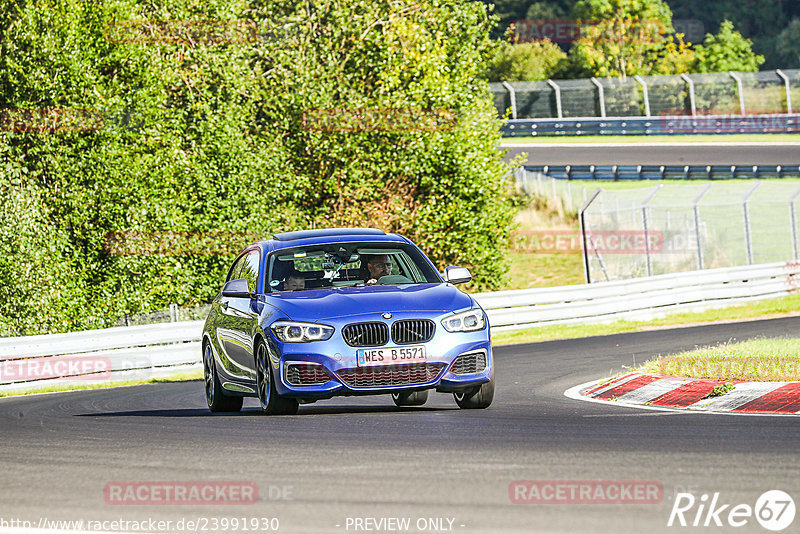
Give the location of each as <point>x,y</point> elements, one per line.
<point>675,228</point>
<point>731,93</point>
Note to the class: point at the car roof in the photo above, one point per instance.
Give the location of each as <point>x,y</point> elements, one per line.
<point>328,235</point>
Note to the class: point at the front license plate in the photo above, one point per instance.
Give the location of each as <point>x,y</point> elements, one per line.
<point>390,356</point>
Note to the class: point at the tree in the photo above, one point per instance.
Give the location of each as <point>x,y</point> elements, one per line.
<point>545,11</point>
<point>626,38</point>
<point>726,51</point>
<point>220,146</point>
<point>537,60</point>
<point>788,45</point>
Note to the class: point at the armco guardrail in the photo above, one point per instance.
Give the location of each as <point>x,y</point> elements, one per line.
<point>120,353</point>
<point>150,350</point>
<point>664,172</point>
<point>667,125</point>
<point>640,298</point>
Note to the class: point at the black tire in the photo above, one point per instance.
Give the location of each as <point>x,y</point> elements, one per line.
<point>215,397</point>
<point>410,398</point>
<point>271,403</point>
<point>476,398</point>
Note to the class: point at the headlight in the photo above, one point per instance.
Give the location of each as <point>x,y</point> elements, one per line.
<point>468,321</point>
<point>294,332</point>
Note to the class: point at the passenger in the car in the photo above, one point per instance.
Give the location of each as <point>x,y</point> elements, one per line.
<point>295,282</point>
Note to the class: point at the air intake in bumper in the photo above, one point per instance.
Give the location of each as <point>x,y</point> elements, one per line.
<point>391,375</point>
<point>469,363</point>
<point>306,374</point>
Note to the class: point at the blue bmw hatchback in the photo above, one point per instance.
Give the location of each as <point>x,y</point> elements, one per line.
<point>316,314</point>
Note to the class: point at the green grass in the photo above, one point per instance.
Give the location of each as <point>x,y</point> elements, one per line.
<point>179,376</point>
<point>762,360</point>
<point>544,270</point>
<point>633,139</point>
<point>755,310</point>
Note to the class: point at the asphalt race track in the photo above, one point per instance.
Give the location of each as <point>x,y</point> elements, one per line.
<point>364,458</point>
<point>681,153</point>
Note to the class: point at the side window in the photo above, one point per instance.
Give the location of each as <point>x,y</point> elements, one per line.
<point>250,269</point>
<point>236,269</point>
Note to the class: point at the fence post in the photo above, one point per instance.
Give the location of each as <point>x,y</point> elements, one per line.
<point>584,245</point>
<point>519,179</point>
<point>740,88</point>
<point>747,239</point>
<point>539,181</point>
<point>557,89</point>
<point>788,93</point>
<point>696,209</point>
<point>512,94</point>
<point>173,313</point>
<point>793,218</point>
<point>645,95</point>
<point>692,102</point>
<point>646,201</point>
<point>601,96</point>
<point>569,195</point>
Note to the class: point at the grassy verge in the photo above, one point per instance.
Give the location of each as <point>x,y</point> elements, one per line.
<point>544,270</point>
<point>177,377</point>
<point>763,360</point>
<point>535,269</point>
<point>764,309</point>
<point>634,139</point>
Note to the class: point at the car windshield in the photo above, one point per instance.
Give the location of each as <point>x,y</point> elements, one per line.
<point>347,264</point>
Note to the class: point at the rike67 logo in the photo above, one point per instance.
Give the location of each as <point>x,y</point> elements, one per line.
<point>774,510</point>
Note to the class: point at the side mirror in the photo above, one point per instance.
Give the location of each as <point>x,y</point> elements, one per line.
<point>457,275</point>
<point>236,289</point>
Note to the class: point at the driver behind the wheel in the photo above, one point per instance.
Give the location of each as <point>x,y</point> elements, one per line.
<point>378,265</point>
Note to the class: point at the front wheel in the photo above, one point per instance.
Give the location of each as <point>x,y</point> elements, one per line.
<point>410,398</point>
<point>217,401</point>
<point>271,403</point>
<point>478,397</point>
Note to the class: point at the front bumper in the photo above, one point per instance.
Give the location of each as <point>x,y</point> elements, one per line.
<point>442,370</point>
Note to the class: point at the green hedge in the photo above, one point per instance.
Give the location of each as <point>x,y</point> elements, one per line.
<point>202,138</point>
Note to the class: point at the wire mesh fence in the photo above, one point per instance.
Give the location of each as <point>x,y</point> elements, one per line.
<point>735,93</point>
<point>669,228</point>
<point>675,228</point>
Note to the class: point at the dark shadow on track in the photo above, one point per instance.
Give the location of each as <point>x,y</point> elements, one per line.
<point>317,410</point>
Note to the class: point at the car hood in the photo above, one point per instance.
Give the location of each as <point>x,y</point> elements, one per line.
<point>320,304</point>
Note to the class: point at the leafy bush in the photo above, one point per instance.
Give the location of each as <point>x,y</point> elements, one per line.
<point>727,50</point>
<point>528,62</point>
<point>206,138</point>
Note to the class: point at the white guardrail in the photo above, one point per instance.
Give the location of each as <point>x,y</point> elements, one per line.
<point>147,351</point>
